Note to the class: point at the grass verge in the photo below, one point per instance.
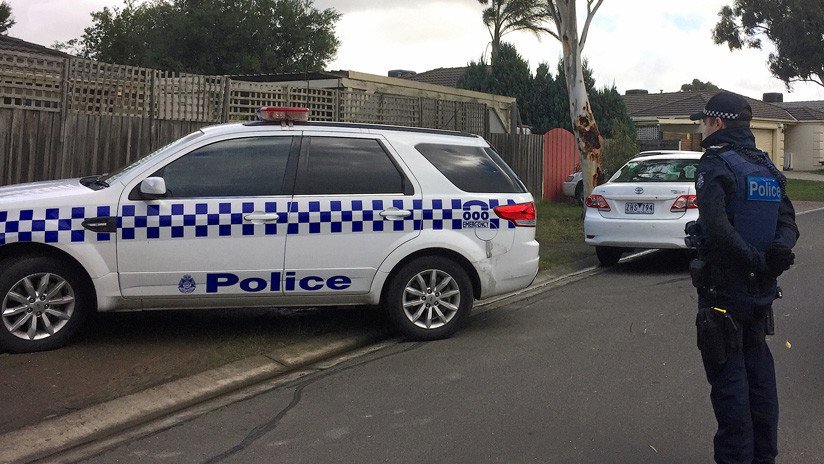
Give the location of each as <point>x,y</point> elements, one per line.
<point>560,232</point>
<point>805,190</point>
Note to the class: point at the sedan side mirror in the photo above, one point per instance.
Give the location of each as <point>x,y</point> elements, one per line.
<point>152,188</point>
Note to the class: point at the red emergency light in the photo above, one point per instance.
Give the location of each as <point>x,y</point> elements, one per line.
<point>283,114</point>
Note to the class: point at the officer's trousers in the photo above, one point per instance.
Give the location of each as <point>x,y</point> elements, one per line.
<point>745,402</point>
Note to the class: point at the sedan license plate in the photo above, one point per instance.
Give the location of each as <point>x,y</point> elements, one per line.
<point>639,208</point>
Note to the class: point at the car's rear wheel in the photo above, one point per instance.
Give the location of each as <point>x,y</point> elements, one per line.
<point>43,302</point>
<point>608,256</point>
<point>429,298</point>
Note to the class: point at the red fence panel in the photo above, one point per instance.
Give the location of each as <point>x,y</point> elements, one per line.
<point>560,160</point>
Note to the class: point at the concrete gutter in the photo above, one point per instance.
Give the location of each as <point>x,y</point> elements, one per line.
<point>112,417</point>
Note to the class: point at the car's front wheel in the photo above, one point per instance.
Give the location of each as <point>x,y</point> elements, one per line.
<point>608,256</point>
<point>429,298</point>
<point>44,302</point>
<point>579,192</point>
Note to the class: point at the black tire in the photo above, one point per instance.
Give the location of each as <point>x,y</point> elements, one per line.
<point>579,192</point>
<point>608,256</point>
<point>446,313</point>
<point>52,302</point>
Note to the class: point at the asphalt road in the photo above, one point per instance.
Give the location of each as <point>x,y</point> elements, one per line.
<point>604,369</point>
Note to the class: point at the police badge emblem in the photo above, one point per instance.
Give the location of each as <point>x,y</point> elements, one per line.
<point>700,181</point>
<point>187,284</point>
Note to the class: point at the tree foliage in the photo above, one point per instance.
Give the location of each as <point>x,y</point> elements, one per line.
<point>795,27</point>
<point>509,75</point>
<point>503,16</point>
<point>542,99</point>
<point>6,19</point>
<point>698,86</point>
<point>607,103</point>
<point>214,36</point>
<point>621,147</point>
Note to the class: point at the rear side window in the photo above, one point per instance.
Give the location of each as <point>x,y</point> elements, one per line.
<point>658,170</point>
<point>340,165</point>
<point>472,169</point>
<point>245,167</point>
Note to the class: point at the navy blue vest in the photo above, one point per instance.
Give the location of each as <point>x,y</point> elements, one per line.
<point>753,211</point>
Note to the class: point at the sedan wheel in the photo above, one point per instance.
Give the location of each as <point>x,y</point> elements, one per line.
<point>579,192</point>
<point>429,298</point>
<point>608,256</point>
<point>42,304</point>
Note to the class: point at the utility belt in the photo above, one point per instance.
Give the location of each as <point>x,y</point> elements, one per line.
<point>721,331</point>
<point>705,279</point>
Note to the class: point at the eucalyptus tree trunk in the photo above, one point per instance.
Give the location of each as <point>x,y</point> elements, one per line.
<point>590,142</point>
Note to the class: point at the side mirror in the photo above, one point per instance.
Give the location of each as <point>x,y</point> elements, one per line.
<point>152,188</point>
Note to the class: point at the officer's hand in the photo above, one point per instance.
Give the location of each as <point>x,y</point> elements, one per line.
<point>779,259</point>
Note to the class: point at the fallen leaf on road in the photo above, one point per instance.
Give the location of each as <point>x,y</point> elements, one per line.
<point>788,345</point>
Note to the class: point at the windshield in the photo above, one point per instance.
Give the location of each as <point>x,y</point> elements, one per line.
<point>156,154</point>
<point>657,170</point>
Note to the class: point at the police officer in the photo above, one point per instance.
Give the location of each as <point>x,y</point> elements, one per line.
<point>744,235</point>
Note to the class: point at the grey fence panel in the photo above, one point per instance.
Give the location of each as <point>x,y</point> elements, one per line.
<point>27,144</point>
<point>525,155</point>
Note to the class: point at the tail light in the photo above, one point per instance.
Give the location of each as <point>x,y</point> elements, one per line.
<point>683,203</point>
<point>597,201</point>
<point>521,214</point>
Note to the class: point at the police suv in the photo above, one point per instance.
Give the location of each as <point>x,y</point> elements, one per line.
<point>276,212</point>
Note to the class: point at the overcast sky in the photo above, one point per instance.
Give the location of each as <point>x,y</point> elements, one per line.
<point>636,44</point>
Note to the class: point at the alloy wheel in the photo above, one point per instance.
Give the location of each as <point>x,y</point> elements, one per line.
<point>38,306</point>
<point>431,299</point>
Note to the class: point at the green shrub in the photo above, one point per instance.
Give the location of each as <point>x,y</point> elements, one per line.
<point>622,147</point>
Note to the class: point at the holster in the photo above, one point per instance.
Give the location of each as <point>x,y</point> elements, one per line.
<point>717,335</point>
<point>763,324</point>
<point>770,322</point>
<point>699,272</point>
<point>771,313</point>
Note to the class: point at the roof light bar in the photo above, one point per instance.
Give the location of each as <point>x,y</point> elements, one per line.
<point>283,114</point>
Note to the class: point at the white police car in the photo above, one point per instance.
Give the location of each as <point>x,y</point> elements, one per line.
<point>276,212</point>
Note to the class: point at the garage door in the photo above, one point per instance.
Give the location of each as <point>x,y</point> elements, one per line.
<point>764,140</point>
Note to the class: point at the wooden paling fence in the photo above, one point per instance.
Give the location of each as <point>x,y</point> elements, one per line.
<point>525,154</point>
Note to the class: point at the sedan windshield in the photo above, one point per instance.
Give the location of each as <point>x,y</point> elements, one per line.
<point>657,170</point>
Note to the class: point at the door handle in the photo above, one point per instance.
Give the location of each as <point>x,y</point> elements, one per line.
<point>260,217</point>
<point>393,214</point>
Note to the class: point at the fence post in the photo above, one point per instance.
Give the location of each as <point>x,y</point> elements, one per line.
<point>487,129</point>
<point>227,98</point>
<point>152,104</point>
<point>64,103</point>
<point>513,129</point>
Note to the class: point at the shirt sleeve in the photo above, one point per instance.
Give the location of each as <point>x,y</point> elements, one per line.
<point>714,186</point>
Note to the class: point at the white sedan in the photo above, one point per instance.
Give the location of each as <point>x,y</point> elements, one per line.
<point>645,204</point>
<point>573,186</point>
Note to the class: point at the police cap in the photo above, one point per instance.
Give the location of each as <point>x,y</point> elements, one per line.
<point>725,105</point>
